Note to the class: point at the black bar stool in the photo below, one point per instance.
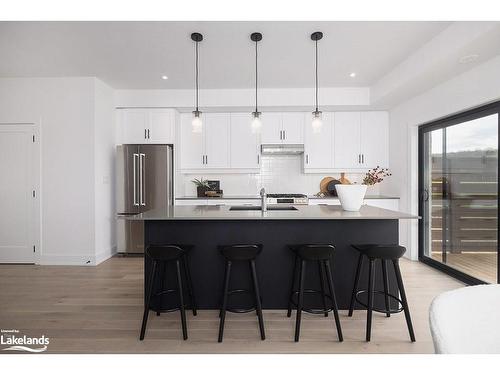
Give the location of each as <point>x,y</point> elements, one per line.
<point>235,253</point>
<point>161,256</point>
<point>321,254</point>
<point>384,253</point>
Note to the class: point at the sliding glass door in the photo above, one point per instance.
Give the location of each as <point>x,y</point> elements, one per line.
<point>458,165</point>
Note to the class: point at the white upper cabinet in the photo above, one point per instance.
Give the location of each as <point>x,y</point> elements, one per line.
<point>346,149</point>
<point>293,127</point>
<point>192,145</point>
<point>216,129</point>
<point>374,139</point>
<point>244,144</point>
<point>287,128</point>
<point>318,147</point>
<point>141,125</point>
<point>208,149</point>
<point>272,130</point>
<point>162,126</point>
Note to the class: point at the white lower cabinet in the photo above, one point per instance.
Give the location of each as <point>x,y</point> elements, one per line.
<point>387,203</point>
<point>217,202</point>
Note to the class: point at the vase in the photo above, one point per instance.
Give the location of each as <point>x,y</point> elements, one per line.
<point>200,190</point>
<point>351,196</point>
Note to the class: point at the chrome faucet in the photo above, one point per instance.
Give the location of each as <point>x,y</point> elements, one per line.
<point>263,200</point>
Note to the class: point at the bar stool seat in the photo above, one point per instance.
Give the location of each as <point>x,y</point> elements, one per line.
<point>240,253</point>
<point>322,254</point>
<point>161,256</point>
<point>383,253</point>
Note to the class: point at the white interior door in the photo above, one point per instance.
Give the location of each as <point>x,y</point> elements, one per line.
<point>17,201</point>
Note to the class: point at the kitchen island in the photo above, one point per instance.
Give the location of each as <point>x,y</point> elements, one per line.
<point>206,227</point>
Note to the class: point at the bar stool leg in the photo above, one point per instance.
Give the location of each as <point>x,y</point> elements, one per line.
<point>386,286</point>
<point>147,302</point>
<point>334,300</point>
<point>257,300</point>
<point>289,313</point>
<point>162,270</point>
<point>181,301</point>
<point>300,300</point>
<point>371,282</point>
<point>224,301</point>
<point>187,273</point>
<point>322,281</point>
<point>403,299</point>
<point>356,283</point>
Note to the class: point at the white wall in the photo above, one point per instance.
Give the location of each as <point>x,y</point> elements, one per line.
<point>64,108</point>
<point>104,171</point>
<point>473,88</point>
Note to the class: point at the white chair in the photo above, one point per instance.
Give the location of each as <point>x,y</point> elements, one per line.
<point>466,320</point>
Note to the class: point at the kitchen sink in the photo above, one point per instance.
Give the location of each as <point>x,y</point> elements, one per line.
<point>258,208</point>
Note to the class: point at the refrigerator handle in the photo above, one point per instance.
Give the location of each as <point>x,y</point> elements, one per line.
<point>136,156</point>
<point>141,179</point>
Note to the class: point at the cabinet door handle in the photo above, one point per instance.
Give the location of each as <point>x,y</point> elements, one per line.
<point>359,158</point>
<point>284,134</point>
<point>281,134</point>
<point>145,133</point>
<point>258,159</point>
<point>148,135</point>
<point>202,159</point>
<point>307,158</point>
<point>362,158</point>
<point>206,159</point>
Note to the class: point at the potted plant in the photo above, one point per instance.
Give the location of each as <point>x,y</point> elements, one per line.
<point>201,186</point>
<point>351,196</point>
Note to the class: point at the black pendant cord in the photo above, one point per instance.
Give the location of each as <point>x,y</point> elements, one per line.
<point>316,76</point>
<point>256,78</point>
<point>196,64</point>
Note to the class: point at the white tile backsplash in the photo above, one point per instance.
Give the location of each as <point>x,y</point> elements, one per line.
<point>278,174</point>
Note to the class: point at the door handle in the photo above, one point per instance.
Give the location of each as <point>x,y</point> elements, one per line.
<point>307,158</point>
<point>363,158</point>
<point>258,159</point>
<point>206,159</point>
<point>148,135</point>
<point>425,195</point>
<point>281,135</point>
<point>145,133</point>
<point>284,134</point>
<point>136,156</point>
<point>142,179</point>
<point>359,158</point>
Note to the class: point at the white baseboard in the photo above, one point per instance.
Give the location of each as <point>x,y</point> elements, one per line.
<point>78,259</point>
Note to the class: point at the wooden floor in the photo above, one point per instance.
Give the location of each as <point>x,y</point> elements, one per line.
<point>481,265</point>
<point>98,310</point>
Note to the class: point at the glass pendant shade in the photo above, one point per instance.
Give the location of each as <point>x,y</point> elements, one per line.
<point>256,123</point>
<point>317,122</point>
<point>197,123</point>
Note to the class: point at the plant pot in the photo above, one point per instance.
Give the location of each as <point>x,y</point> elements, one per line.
<point>351,196</point>
<point>201,191</point>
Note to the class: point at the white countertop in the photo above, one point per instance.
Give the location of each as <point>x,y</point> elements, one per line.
<point>303,212</point>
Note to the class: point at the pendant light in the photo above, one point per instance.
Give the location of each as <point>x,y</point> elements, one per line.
<point>256,121</point>
<point>317,122</point>
<point>197,124</point>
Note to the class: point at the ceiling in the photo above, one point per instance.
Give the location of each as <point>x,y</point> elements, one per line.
<point>134,55</point>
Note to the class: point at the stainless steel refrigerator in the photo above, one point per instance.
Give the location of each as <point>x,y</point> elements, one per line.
<point>144,181</point>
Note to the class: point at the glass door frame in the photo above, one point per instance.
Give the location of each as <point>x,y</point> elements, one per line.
<point>443,123</point>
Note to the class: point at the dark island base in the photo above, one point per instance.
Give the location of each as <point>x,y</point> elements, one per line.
<point>275,263</point>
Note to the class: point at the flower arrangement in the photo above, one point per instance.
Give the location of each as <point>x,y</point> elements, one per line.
<point>376,175</point>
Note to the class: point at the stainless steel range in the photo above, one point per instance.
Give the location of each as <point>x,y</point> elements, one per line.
<point>287,199</point>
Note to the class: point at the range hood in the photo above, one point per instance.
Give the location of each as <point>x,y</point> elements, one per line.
<point>281,149</point>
